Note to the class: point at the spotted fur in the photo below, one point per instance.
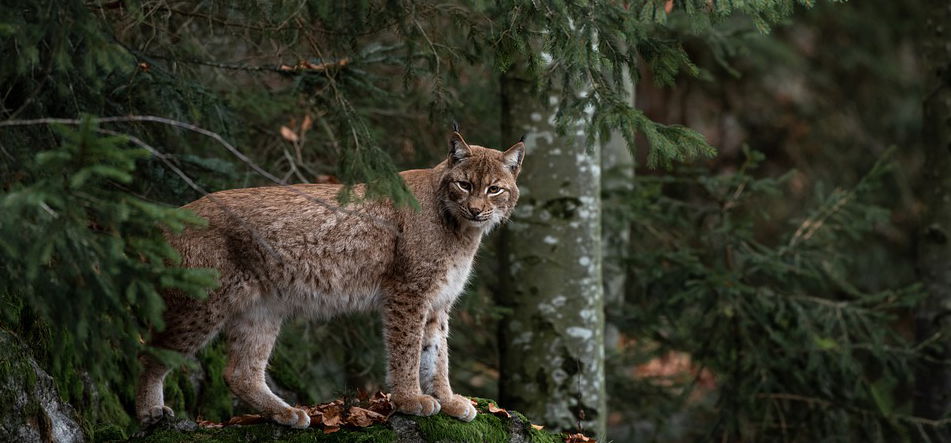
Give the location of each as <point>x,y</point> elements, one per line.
<point>279,253</point>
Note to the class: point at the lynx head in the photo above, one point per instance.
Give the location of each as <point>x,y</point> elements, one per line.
<point>478,187</point>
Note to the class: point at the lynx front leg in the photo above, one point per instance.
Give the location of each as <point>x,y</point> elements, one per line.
<point>434,368</point>
<point>251,338</point>
<point>403,329</point>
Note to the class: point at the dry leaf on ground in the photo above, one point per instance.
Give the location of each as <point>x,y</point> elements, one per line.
<point>579,438</point>
<point>499,412</point>
<point>331,429</point>
<point>247,419</point>
<point>362,418</point>
<point>208,424</point>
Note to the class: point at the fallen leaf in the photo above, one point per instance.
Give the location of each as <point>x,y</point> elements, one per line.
<point>361,417</point>
<point>209,424</point>
<point>332,416</point>
<point>579,438</point>
<point>669,6</point>
<point>304,127</point>
<point>285,68</point>
<point>288,134</point>
<point>380,403</point>
<point>499,412</point>
<point>474,403</point>
<point>538,427</point>
<point>331,429</point>
<point>247,419</point>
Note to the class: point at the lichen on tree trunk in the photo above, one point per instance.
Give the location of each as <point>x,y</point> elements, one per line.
<point>551,340</point>
<point>617,177</point>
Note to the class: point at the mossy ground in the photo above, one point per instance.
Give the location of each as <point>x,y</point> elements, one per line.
<point>485,428</point>
<point>442,428</point>
<point>274,433</point>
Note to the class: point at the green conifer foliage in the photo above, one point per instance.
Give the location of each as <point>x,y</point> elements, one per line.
<point>87,259</point>
<point>797,348</point>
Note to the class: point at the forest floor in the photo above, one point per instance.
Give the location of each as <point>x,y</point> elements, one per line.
<point>370,422</point>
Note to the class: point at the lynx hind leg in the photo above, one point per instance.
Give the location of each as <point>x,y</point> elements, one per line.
<point>434,368</point>
<point>149,399</point>
<point>188,327</point>
<point>251,338</point>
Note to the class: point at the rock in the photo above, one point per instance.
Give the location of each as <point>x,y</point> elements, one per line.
<point>30,407</point>
<point>487,427</point>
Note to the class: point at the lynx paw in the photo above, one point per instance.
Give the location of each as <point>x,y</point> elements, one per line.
<point>293,417</point>
<point>424,405</point>
<point>459,407</point>
<point>155,414</point>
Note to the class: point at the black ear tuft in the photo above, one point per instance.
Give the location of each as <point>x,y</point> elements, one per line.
<point>458,149</point>
<point>512,157</point>
<point>455,126</point>
<point>523,138</point>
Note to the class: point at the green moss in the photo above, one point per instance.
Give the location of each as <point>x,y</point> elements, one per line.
<point>15,368</point>
<point>214,403</point>
<point>535,435</point>
<point>174,394</point>
<point>443,428</point>
<point>283,372</point>
<point>107,432</point>
<point>111,414</point>
<point>274,433</point>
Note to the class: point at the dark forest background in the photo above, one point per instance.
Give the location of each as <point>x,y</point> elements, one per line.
<point>733,225</point>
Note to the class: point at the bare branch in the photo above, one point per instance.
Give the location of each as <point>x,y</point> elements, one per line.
<point>299,68</point>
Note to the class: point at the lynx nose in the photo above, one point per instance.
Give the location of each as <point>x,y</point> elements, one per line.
<point>474,211</point>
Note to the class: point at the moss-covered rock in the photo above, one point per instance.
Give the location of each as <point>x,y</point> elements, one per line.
<point>31,409</point>
<point>486,428</point>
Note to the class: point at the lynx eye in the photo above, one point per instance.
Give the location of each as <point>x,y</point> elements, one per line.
<point>494,190</point>
<point>465,186</point>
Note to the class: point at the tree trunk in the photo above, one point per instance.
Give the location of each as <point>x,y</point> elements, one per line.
<point>617,176</point>
<point>552,338</point>
<point>933,379</point>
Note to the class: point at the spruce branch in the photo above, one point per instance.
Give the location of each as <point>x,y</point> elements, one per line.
<point>217,137</point>
<point>777,396</point>
<point>191,183</point>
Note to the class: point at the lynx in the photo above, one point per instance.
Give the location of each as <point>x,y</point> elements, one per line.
<point>280,253</point>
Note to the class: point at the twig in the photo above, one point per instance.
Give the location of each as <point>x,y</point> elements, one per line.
<point>431,46</point>
<point>811,225</point>
<point>300,67</point>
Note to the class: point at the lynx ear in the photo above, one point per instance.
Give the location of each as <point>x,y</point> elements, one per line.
<point>458,149</point>
<point>512,158</point>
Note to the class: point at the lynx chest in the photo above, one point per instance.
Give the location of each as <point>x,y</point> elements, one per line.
<point>450,285</point>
